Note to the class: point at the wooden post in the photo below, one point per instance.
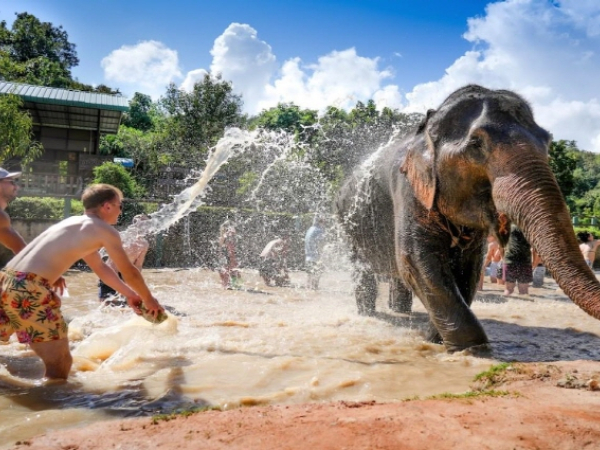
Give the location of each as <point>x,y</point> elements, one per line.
<point>67,207</point>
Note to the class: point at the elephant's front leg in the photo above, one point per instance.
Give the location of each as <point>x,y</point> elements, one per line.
<point>365,290</point>
<point>400,297</point>
<point>467,265</point>
<point>433,281</point>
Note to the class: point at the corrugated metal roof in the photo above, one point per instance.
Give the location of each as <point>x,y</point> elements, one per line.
<point>65,97</point>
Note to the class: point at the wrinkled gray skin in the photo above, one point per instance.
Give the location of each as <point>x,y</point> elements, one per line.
<point>418,212</point>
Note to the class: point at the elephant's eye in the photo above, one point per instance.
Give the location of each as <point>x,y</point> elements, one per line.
<point>475,143</point>
<point>475,150</point>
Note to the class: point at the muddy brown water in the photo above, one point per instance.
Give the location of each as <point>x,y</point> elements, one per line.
<point>266,345</point>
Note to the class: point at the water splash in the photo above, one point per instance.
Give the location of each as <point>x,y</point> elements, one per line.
<point>189,199</point>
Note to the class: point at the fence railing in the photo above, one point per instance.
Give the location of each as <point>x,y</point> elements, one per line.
<point>50,185</point>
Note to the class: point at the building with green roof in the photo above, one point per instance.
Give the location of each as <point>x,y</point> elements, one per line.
<point>69,125</point>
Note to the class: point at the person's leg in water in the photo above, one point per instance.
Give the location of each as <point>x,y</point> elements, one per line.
<point>314,275</point>
<point>27,298</point>
<point>56,357</point>
<point>509,280</point>
<point>224,275</point>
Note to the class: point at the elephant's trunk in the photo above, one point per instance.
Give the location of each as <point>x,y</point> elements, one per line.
<point>527,192</point>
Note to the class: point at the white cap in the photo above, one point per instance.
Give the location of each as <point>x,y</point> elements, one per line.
<point>6,174</point>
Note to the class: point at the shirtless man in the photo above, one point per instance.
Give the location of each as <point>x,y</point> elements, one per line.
<point>273,266</point>
<point>8,192</point>
<point>28,304</point>
<point>493,257</point>
<point>588,247</point>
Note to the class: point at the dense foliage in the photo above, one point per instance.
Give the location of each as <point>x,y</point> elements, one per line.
<point>16,136</point>
<point>39,53</point>
<point>42,208</point>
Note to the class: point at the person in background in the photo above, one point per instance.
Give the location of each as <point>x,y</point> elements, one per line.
<point>229,272</point>
<point>539,271</point>
<point>313,243</point>
<point>273,266</point>
<point>9,237</point>
<point>588,247</point>
<point>517,263</point>
<point>493,260</point>
<point>29,306</point>
<point>136,246</point>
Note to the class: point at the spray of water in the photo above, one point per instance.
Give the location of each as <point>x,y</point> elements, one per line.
<point>189,199</point>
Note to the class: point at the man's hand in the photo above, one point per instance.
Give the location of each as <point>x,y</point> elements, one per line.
<point>135,302</point>
<point>153,307</point>
<point>59,286</point>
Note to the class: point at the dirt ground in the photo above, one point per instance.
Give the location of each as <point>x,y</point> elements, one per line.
<point>524,406</point>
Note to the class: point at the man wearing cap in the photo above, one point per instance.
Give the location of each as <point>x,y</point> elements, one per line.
<point>8,192</point>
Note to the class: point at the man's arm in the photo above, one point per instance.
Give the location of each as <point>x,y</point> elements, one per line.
<point>8,236</point>
<point>130,273</point>
<point>110,277</point>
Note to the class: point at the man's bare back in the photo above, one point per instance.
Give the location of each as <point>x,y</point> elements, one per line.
<point>73,239</point>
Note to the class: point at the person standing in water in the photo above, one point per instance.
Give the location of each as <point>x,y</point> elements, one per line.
<point>313,243</point>
<point>29,306</point>
<point>517,263</point>
<point>493,260</point>
<point>588,247</point>
<point>273,266</point>
<point>229,272</point>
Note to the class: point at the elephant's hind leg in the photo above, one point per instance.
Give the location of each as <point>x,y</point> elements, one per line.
<point>400,297</point>
<point>365,291</point>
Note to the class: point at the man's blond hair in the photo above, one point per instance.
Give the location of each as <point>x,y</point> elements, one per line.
<point>96,195</point>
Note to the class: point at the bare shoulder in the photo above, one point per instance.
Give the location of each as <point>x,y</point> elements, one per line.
<point>88,227</point>
<point>4,219</point>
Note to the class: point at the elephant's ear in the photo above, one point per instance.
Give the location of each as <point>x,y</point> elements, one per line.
<point>419,166</point>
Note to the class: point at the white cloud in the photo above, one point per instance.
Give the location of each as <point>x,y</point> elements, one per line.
<point>240,57</point>
<point>340,78</point>
<point>545,51</point>
<point>149,65</point>
<point>192,78</point>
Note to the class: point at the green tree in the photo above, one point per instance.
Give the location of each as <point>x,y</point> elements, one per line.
<point>287,117</point>
<point>346,139</point>
<point>563,163</point>
<point>140,112</point>
<point>39,53</point>
<point>196,120</point>
<point>16,135</point>
<point>29,38</point>
<point>117,175</point>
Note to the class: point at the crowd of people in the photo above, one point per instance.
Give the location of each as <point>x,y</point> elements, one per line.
<point>519,265</point>
<point>273,267</point>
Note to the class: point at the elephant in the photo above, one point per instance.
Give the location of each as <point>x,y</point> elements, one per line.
<point>418,211</point>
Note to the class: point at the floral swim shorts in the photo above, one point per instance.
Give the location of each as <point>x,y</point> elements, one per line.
<point>29,307</point>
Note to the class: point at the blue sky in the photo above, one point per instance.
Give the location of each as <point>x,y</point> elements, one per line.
<point>404,54</point>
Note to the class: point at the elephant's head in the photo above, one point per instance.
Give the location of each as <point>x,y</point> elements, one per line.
<point>482,161</point>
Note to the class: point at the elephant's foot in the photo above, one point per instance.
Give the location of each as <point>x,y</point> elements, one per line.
<point>479,350</point>
<point>432,335</point>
